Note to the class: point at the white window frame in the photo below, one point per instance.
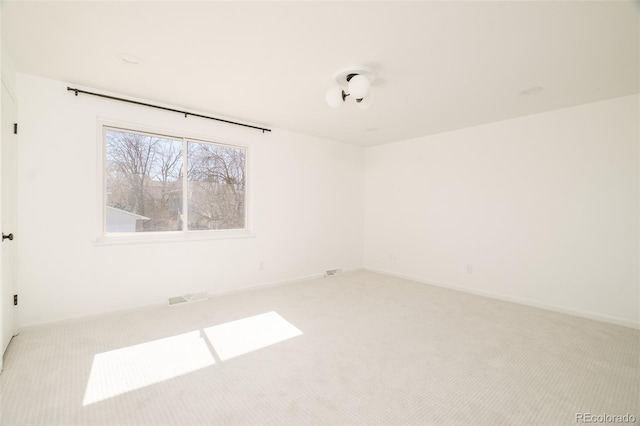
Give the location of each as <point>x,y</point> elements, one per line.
<point>113,238</point>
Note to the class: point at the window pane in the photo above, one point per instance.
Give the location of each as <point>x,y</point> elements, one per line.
<point>143,182</point>
<point>216,176</point>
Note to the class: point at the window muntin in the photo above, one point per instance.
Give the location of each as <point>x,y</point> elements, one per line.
<point>147,177</point>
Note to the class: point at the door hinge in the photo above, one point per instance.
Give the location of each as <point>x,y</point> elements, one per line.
<point>15,300</point>
<point>15,128</point>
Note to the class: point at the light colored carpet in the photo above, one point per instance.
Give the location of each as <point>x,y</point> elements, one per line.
<point>359,348</point>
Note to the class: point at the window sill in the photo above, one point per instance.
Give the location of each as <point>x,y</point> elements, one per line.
<point>170,237</point>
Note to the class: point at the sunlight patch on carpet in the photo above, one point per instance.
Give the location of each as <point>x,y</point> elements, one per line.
<point>250,334</point>
<point>123,370</point>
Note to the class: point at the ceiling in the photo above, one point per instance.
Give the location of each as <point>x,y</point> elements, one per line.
<point>439,66</point>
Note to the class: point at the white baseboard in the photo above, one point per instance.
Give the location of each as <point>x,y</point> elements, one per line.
<point>269,284</point>
<point>522,301</point>
<point>77,319</point>
<point>220,293</point>
<point>278,283</point>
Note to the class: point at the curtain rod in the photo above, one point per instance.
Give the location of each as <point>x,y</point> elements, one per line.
<point>186,113</point>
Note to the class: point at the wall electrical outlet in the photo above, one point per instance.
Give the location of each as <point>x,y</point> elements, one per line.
<point>469,269</point>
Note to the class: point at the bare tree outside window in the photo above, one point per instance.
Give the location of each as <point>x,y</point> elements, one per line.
<point>145,180</point>
<point>216,175</point>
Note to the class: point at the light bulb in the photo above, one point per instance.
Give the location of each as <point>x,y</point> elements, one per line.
<point>365,103</point>
<point>334,97</point>
<point>358,86</point>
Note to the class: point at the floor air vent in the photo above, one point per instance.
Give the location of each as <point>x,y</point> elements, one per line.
<point>332,272</point>
<point>190,297</point>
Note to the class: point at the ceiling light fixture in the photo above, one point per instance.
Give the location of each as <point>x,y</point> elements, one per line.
<point>354,82</point>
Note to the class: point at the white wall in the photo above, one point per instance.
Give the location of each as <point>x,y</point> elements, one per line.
<point>307,211</point>
<point>545,209</point>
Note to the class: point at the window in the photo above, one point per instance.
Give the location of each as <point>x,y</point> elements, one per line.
<point>156,183</point>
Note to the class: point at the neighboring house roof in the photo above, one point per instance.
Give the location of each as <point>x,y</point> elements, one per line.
<point>133,215</point>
